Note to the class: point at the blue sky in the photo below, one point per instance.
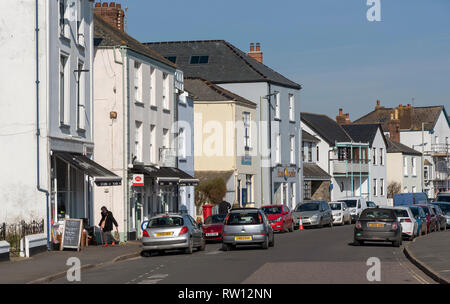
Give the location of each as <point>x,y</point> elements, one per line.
<point>328,46</point>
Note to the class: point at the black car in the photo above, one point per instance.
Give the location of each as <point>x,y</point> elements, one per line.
<point>378,225</point>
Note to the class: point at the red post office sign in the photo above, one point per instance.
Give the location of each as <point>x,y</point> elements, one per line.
<point>138,180</point>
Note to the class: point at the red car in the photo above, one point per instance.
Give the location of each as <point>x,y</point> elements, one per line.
<point>431,218</point>
<point>280,217</point>
<point>213,227</point>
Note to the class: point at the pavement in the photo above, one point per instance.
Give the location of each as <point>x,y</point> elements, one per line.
<point>47,266</point>
<point>431,253</point>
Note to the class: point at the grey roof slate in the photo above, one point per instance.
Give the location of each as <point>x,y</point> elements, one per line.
<point>395,147</point>
<point>363,132</point>
<point>313,171</point>
<point>308,137</point>
<point>326,127</point>
<point>227,64</point>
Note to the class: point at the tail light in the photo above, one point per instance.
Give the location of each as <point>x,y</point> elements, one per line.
<point>145,233</point>
<point>260,218</point>
<point>394,226</point>
<point>358,225</point>
<point>183,230</point>
<point>226,220</point>
<point>407,220</point>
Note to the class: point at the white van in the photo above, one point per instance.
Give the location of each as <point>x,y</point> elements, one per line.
<point>356,206</point>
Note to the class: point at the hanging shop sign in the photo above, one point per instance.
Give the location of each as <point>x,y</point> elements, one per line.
<point>138,180</point>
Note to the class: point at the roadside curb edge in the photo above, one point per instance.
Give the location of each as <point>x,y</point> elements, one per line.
<point>422,266</point>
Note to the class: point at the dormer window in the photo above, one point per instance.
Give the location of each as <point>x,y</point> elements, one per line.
<point>199,59</point>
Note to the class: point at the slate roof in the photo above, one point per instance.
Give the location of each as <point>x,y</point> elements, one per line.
<point>227,63</point>
<point>308,137</point>
<point>208,175</point>
<point>326,127</point>
<point>106,35</point>
<point>312,171</point>
<point>411,118</point>
<point>395,147</point>
<point>203,90</point>
<point>364,132</point>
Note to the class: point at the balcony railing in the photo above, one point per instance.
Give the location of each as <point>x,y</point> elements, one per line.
<point>443,149</point>
<point>167,157</point>
<point>350,166</point>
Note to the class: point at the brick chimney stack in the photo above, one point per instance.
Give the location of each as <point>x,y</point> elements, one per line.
<point>378,106</point>
<point>394,127</point>
<point>343,119</point>
<point>256,54</point>
<point>112,13</point>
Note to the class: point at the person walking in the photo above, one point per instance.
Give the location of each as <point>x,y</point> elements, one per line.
<point>224,207</point>
<point>106,224</point>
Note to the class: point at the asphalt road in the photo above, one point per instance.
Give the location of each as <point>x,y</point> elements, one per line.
<point>323,255</point>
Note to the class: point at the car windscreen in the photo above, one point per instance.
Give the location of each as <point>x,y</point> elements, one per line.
<point>350,203</point>
<point>215,219</point>
<point>401,213</point>
<point>272,210</point>
<point>244,218</point>
<point>307,207</point>
<point>425,209</point>
<point>335,206</point>
<point>443,198</point>
<point>445,208</point>
<point>414,211</point>
<point>166,221</point>
<point>378,214</point>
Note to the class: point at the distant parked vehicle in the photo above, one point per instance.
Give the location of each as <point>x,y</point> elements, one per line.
<point>213,227</point>
<point>407,220</point>
<point>443,197</point>
<point>421,219</point>
<point>407,199</point>
<point>371,204</point>
<point>172,231</point>
<point>445,207</point>
<point>314,213</point>
<point>440,217</point>
<point>341,213</point>
<point>247,226</point>
<point>280,217</point>
<point>430,217</point>
<point>356,205</point>
<point>378,225</point>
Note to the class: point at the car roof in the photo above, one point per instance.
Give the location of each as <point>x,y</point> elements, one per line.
<point>167,214</point>
<point>272,206</point>
<point>244,209</point>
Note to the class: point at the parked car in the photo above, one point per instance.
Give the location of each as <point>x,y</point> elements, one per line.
<point>443,197</point>
<point>172,231</point>
<point>378,225</point>
<point>421,219</point>
<point>213,227</point>
<point>407,199</point>
<point>356,205</point>
<point>371,204</point>
<point>445,207</point>
<point>247,226</point>
<point>314,213</point>
<point>430,217</point>
<point>407,220</point>
<point>280,217</point>
<point>341,213</point>
<point>440,217</point>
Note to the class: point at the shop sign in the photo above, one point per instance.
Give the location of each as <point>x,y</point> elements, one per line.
<point>138,180</point>
<point>286,173</point>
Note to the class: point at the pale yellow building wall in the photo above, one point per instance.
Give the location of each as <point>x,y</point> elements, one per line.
<point>394,168</point>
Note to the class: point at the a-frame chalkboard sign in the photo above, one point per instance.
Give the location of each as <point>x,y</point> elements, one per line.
<point>71,237</point>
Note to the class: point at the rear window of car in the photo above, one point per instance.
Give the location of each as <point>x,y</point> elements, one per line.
<point>350,203</point>
<point>307,207</point>
<point>167,221</point>
<point>401,213</point>
<point>244,218</point>
<point>335,206</point>
<point>377,214</point>
<point>445,208</point>
<point>214,219</point>
<point>414,211</point>
<point>271,210</point>
<point>443,198</point>
<point>426,210</point>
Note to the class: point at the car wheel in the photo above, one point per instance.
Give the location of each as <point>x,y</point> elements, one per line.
<point>190,248</point>
<point>265,245</point>
<point>291,229</point>
<point>146,254</point>
<point>202,246</point>
<point>226,247</point>
<point>272,243</point>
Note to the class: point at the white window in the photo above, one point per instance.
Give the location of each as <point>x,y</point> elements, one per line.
<point>152,144</point>
<point>382,186</point>
<point>181,143</point>
<point>166,91</point>
<point>291,107</point>
<point>405,166</point>
<point>81,103</point>
<point>277,105</point>
<point>166,138</point>
<point>374,156</point>
<point>247,131</point>
<point>152,86</point>
<point>64,90</point>
<point>80,23</point>
<point>294,195</point>
<point>375,186</point>
<point>414,189</point>
<point>381,157</point>
<point>278,149</point>
<point>62,17</point>
<point>138,141</point>
<point>413,165</point>
<point>405,190</point>
<point>292,150</point>
<point>137,81</point>
<point>249,186</point>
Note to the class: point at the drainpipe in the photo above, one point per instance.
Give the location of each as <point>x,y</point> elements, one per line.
<point>38,130</point>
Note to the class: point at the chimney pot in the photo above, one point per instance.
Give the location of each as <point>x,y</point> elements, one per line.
<point>257,55</point>
<point>112,4</point>
<point>252,47</point>
<point>340,112</point>
<point>98,4</point>
<point>378,102</point>
<point>104,4</point>
<point>258,47</point>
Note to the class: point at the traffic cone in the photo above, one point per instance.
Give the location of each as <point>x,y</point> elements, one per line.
<point>300,224</point>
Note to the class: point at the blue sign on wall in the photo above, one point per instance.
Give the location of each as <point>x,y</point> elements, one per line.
<point>246,160</point>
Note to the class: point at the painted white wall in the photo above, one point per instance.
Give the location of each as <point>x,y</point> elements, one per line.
<point>378,171</point>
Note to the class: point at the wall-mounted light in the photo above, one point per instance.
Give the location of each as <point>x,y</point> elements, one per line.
<point>113,115</point>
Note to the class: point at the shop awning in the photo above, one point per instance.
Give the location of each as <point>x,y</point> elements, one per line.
<point>166,175</point>
<point>100,175</point>
<point>312,171</point>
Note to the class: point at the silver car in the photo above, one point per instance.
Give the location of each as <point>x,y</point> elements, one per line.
<point>313,213</point>
<point>172,231</point>
<point>247,226</point>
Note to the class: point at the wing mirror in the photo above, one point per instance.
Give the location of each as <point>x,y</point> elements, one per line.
<point>285,212</point>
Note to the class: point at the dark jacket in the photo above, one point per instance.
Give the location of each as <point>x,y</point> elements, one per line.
<point>109,221</point>
<point>224,207</point>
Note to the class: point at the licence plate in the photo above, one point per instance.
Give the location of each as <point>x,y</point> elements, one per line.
<point>160,234</point>
<point>372,225</point>
<point>212,234</point>
<point>243,238</point>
